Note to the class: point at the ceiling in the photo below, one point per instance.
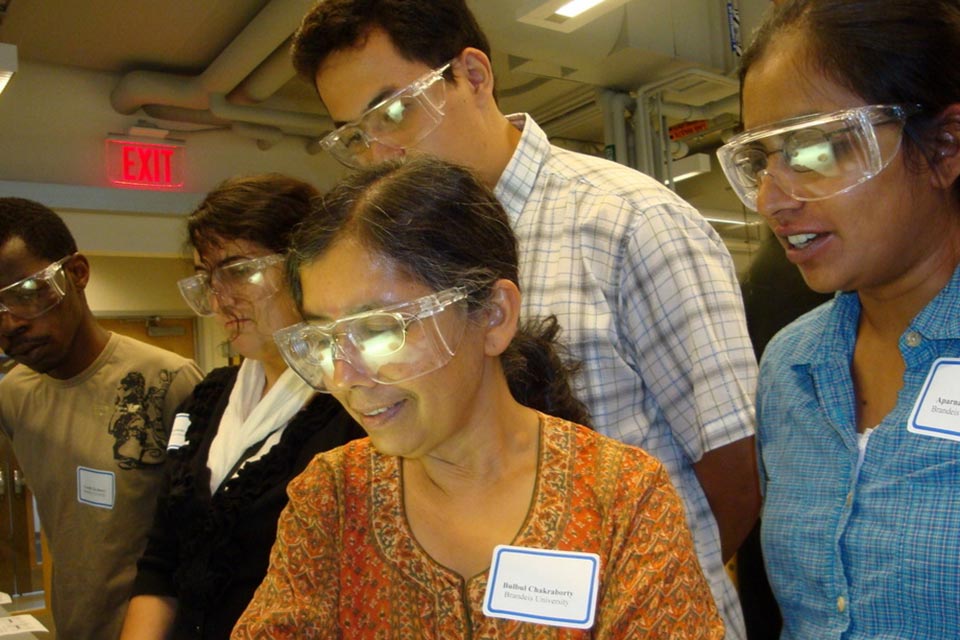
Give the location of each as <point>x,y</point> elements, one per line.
<point>189,64</point>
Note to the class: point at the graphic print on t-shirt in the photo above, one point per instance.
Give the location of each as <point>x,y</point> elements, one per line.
<point>137,421</point>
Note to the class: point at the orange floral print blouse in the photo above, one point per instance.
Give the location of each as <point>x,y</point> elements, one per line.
<point>346,565</point>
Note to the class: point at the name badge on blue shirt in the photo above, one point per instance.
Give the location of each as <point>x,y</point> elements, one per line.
<point>937,411</point>
<point>543,586</point>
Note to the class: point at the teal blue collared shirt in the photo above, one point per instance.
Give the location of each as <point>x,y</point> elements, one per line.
<point>858,544</point>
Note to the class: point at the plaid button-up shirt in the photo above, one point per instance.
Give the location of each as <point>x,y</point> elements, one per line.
<point>647,297</point>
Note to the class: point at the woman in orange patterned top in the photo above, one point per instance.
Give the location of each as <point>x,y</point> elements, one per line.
<point>467,513</point>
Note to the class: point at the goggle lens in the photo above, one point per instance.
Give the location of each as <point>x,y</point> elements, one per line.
<point>247,280</point>
<point>399,122</point>
<point>814,157</point>
<point>35,295</point>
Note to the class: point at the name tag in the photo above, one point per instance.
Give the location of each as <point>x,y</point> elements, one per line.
<point>96,488</point>
<point>178,432</point>
<point>543,586</point>
<point>937,411</point>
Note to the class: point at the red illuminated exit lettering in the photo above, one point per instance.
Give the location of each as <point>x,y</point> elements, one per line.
<point>147,165</point>
<point>144,165</point>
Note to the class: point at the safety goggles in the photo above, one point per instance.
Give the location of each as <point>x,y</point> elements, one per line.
<point>399,121</point>
<point>247,280</point>
<point>35,295</point>
<point>817,156</point>
<point>388,345</point>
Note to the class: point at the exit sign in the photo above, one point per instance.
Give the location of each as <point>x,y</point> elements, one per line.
<point>144,165</point>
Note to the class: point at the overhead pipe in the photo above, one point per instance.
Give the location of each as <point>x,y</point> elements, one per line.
<point>200,98</point>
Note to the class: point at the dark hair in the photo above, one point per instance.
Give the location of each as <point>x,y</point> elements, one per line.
<point>262,209</point>
<point>439,224</point>
<point>885,51</point>
<point>424,31</point>
<point>43,232</point>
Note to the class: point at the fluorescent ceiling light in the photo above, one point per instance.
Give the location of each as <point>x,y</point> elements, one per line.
<point>690,166</point>
<point>565,16</point>
<point>8,63</point>
<point>575,7</point>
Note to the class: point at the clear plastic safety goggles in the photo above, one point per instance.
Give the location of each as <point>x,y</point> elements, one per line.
<point>399,121</point>
<point>816,156</point>
<point>389,345</point>
<point>246,280</point>
<point>36,294</point>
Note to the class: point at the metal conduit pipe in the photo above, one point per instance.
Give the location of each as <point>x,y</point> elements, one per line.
<point>307,124</point>
<point>265,33</point>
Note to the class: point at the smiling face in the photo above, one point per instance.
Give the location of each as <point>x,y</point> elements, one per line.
<point>249,323</point>
<point>879,234</point>
<point>415,418</point>
<point>45,343</point>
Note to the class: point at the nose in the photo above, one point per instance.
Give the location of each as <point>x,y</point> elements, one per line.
<point>11,325</point>
<point>772,197</point>
<point>345,374</point>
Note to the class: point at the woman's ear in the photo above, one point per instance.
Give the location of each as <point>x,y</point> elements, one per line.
<point>946,149</point>
<point>502,317</point>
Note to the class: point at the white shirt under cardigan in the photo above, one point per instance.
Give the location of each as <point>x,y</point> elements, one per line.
<point>249,419</point>
<point>647,297</point>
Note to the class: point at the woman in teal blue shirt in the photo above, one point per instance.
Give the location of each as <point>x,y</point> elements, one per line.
<point>851,153</point>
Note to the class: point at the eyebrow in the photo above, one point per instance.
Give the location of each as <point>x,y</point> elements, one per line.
<point>374,101</point>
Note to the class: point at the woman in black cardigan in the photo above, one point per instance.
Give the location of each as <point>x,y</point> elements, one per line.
<point>244,433</point>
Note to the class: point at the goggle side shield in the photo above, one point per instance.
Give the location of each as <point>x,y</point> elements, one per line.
<point>389,345</point>
<point>813,157</point>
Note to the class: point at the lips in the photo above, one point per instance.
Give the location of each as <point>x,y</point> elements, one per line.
<point>21,348</point>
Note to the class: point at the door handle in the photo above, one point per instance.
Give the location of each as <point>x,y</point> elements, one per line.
<point>3,483</point>
<point>19,482</point>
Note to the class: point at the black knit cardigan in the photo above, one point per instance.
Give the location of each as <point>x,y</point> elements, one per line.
<point>211,552</point>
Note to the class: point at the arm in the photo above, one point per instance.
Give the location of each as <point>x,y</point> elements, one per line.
<point>728,476</point>
<point>149,618</point>
<point>685,333</point>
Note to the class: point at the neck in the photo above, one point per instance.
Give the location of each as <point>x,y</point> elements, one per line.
<point>502,442</point>
<point>497,149</point>
<point>889,310</point>
<point>88,343</point>
<point>273,368</point>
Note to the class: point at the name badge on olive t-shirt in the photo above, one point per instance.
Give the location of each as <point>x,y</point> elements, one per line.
<point>544,586</point>
<point>937,411</point>
<point>96,488</point>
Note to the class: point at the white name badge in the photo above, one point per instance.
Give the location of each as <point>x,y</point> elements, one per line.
<point>556,588</point>
<point>937,411</point>
<point>178,432</point>
<point>96,488</point>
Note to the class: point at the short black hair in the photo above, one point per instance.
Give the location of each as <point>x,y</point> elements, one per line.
<point>43,232</point>
<point>428,31</point>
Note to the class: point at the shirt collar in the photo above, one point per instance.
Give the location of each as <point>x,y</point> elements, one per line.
<point>519,178</point>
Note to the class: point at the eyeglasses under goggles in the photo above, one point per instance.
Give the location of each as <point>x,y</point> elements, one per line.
<point>246,280</point>
<point>388,345</point>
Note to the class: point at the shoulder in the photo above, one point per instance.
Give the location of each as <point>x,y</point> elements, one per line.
<point>134,354</point>
<point>795,343</point>
<point>607,459</point>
